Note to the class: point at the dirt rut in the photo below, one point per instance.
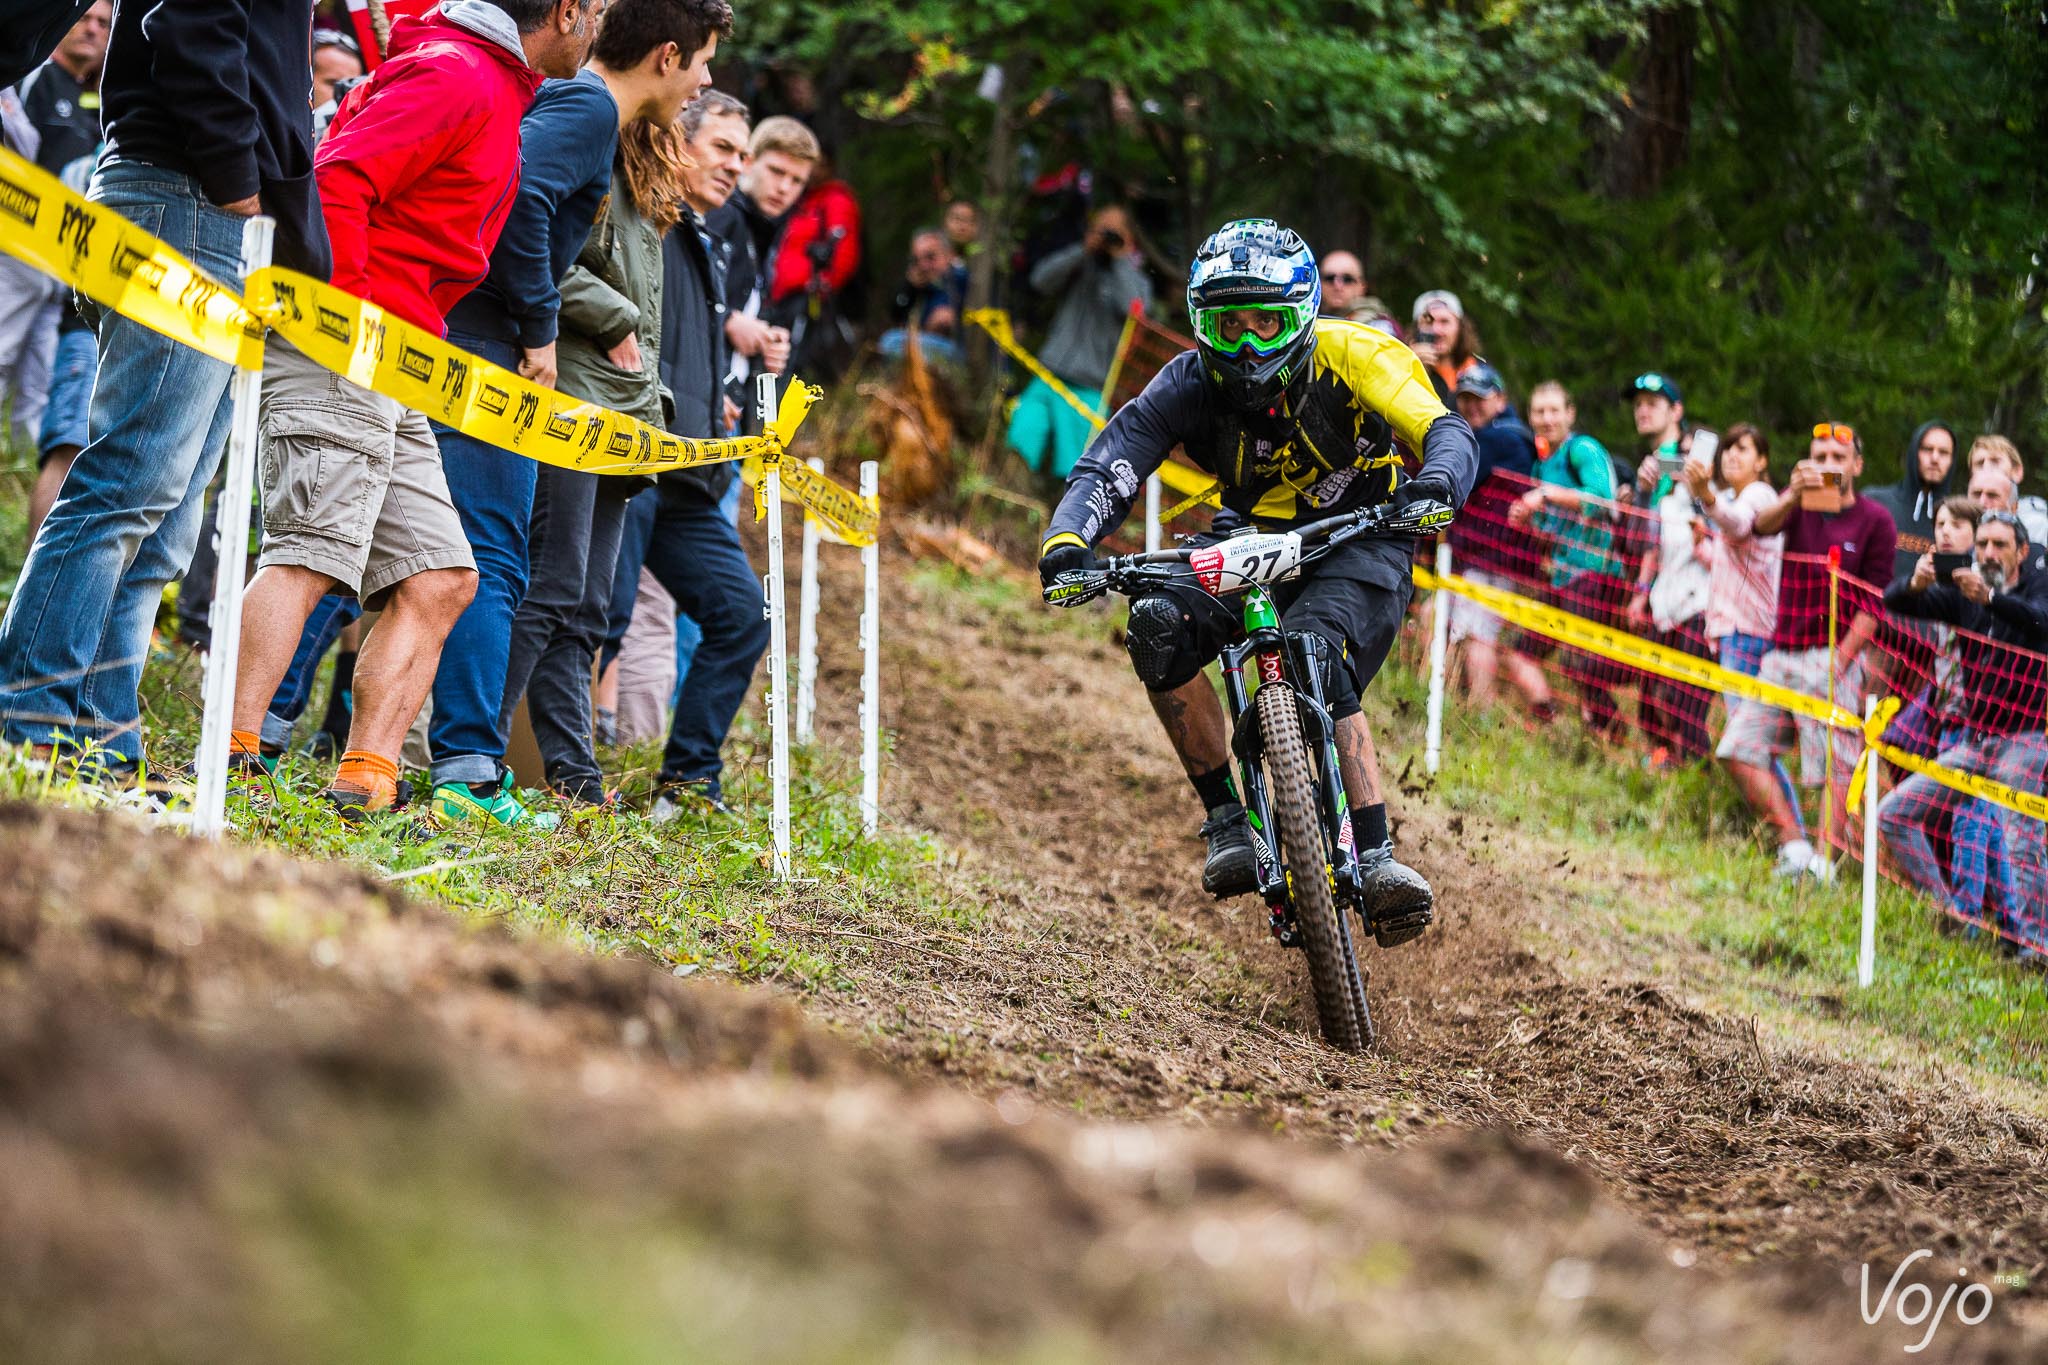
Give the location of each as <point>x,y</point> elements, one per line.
<point>1106,982</point>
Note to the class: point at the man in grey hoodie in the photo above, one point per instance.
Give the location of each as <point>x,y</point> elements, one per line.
<point>1099,281</point>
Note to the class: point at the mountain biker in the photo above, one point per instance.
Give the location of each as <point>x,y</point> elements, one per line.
<point>1297,417</point>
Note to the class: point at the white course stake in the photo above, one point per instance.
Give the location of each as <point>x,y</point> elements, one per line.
<point>807,627</point>
<point>1439,647</point>
<point>778,644</point>
<point>870,668</point>
<point>210,800</point>
<point>1152,527</point>
<point>1866,951</point>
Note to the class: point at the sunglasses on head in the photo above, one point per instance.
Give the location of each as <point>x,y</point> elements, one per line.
<point>1834,431</point>
<point>2003,518</point>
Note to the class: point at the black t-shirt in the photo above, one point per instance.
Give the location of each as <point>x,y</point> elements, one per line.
<point>65,113</point>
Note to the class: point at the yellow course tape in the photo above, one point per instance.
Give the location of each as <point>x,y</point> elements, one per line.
<point>109,259</point>
<point>411,365</point>
<point>1623,648</point>
<point>1646,655</point>
<point>1200,487</point>
<point>1970,784</point>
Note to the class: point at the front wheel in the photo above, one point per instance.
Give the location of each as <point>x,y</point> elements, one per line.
<point>1333,971</point>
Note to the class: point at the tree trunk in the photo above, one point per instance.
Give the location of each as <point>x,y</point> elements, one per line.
<point>1656,127</point>
<point>998,195</point>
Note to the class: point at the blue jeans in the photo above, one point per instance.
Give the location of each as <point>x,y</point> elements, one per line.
<point>332,614</point>
<point>573,550</point>
<point>77,632</point>
<point>1908,816</point>
<point>1976,836</point>
<point>695,554</point>
<point>1744,654</point>
<point>633,536</point>
<point>626,582</point>
<point>493,492</point>
<point>688,635</point>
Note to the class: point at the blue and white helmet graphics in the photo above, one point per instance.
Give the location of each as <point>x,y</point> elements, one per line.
<point>1254,264</point>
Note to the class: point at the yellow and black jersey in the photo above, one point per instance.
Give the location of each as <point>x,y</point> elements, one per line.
<point>1332,452</point>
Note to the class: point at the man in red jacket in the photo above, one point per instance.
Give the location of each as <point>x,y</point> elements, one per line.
<point>810,266</point>
<point>416,177</point>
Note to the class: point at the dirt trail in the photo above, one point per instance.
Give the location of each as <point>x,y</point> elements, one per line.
<point>1115,986</point>
<point>258,1110</point>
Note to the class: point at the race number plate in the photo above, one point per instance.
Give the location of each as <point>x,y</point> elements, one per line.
<point>1244,560</point>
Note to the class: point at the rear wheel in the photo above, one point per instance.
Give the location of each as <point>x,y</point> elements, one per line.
<point>1332,969</point>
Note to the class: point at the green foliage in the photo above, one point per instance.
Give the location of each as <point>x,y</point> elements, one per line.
<point>1828,209</point>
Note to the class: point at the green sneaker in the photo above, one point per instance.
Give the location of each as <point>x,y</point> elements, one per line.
<point>456,803</point>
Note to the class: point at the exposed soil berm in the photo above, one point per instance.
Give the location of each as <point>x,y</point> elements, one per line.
<point>253,1109</point>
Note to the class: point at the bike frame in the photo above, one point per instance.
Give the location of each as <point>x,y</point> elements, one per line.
<point>1290,659</point>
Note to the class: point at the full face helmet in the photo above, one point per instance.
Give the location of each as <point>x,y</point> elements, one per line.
<point>1253,295</point>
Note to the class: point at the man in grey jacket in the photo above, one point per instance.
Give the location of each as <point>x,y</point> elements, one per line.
<point>1099,281</point>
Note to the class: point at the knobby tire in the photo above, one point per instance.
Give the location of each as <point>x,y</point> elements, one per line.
<point>1333,973</point>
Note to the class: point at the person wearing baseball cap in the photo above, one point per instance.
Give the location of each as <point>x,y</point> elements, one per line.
<point>1507,455</point>
<point>1660,426</point>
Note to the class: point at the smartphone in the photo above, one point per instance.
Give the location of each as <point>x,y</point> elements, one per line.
<point>1827,497</point>
<point>1945,565</point>
<point>1705,444</point>
<point>1671,465</point>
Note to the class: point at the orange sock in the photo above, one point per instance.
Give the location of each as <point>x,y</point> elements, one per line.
<point>372,774</point>
<point>244,742</point>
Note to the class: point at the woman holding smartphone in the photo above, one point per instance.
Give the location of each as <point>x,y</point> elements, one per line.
<point>1743,567</point>
<point>1729,488</point>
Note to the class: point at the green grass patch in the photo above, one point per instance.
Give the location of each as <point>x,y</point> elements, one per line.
<point>696,894</point>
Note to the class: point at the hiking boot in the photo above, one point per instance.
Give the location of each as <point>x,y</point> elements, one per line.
<point>671,799</point>
<point>1230,869</point>
<point>1396,899</point>
<point>495,803</point>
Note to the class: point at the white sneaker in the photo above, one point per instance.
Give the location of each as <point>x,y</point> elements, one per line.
<point>1794,859</point>
<point>664,811</point>
<point>1819,869</point>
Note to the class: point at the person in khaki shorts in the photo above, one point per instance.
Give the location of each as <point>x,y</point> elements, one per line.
<point>415,178</point>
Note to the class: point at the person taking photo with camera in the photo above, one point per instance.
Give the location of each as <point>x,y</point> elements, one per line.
<point>1098,280</point>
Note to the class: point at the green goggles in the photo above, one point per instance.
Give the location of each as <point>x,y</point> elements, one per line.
<point>1264,328</point>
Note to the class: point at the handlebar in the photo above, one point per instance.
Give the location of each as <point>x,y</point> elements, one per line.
<point>1128,574</point>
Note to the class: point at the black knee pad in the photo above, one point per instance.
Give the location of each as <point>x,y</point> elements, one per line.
<point>1161,643</point>
<point>1340,686</point>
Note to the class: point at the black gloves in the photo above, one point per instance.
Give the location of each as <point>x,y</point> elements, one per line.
<point>1064,557</point>
<point>1424,486</point>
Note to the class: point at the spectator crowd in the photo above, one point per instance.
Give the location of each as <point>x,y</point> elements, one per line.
<point>555,186</point>
<point>550,184</point>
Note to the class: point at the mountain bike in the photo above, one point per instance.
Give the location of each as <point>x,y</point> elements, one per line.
<point>1283,735</point>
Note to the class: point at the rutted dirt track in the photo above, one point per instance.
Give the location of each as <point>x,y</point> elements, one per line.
<point>252,1110</point>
